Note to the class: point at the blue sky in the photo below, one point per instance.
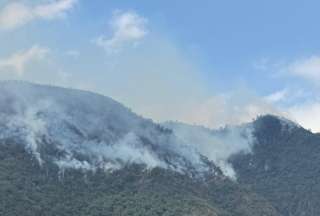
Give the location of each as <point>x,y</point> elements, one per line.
<point>204,62</point>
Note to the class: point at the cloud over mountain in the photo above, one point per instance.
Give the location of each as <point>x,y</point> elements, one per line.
<point>18,62</point>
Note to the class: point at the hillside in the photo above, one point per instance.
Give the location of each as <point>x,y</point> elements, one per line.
<point>281,163</point>
<point>70,152</point>
<point>27,189</point>
<point>283,167</point>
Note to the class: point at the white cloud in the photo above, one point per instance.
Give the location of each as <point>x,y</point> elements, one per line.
<point>16,14</point>
<point>302,105</point>
<point>13,15</point>
<point>234,108</point>
<point>277,96</point>
<point>54,9</point>
<point>307,68</point>
<point>307,115</point>
<point>18,61</point>
<point>242,106</point>
<point>299,105</point>
<point>300,101</point>
<point>127,28</point>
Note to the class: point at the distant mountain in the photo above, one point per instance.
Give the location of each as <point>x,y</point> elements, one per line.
<point>283,167</point>
<point>281,164</point>
<point>71,152</point>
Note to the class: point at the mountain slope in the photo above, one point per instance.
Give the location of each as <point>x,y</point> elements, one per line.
<point>78,129</point>
<point>283,167</point>
<point>70,152</point>
<point>281,164</point>
<point>28,189</point>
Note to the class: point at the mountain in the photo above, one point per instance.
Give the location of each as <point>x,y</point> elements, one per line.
<point>71,152</point>
<point>283,167</point>
<point>281,164</point>
<point>82,130</point>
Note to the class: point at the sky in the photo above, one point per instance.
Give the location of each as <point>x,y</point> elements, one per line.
<point>205,62</point>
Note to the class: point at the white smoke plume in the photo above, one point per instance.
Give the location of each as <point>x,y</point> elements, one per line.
<point>217,145</point>
<point>91,131</point>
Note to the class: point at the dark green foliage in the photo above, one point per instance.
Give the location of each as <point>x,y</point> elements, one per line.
<point>284,167</point>
<point>29,190</point>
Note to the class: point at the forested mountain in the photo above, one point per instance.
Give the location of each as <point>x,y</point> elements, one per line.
<point>283,167</point>
<point>71,152</point>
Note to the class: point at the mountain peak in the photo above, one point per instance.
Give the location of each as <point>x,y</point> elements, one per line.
<point>279,122</point>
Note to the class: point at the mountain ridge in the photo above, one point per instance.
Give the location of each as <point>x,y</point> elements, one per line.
<point>100,131</point>
<point>70,152</point>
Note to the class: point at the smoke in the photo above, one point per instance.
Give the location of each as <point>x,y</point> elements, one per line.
<point>31,128</point>
<point>109,157</point>
<point>156,79</point>
<point>217,145</point>
<point>87,131</point>
<point>233,108</point>
<point>20,120</point>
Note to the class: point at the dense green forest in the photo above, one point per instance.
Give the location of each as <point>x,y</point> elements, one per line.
<point>27,189</point>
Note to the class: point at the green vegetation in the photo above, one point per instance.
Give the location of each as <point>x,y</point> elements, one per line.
<point>281,177</point>
<point>284,167</point>
<point>29,190</point>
